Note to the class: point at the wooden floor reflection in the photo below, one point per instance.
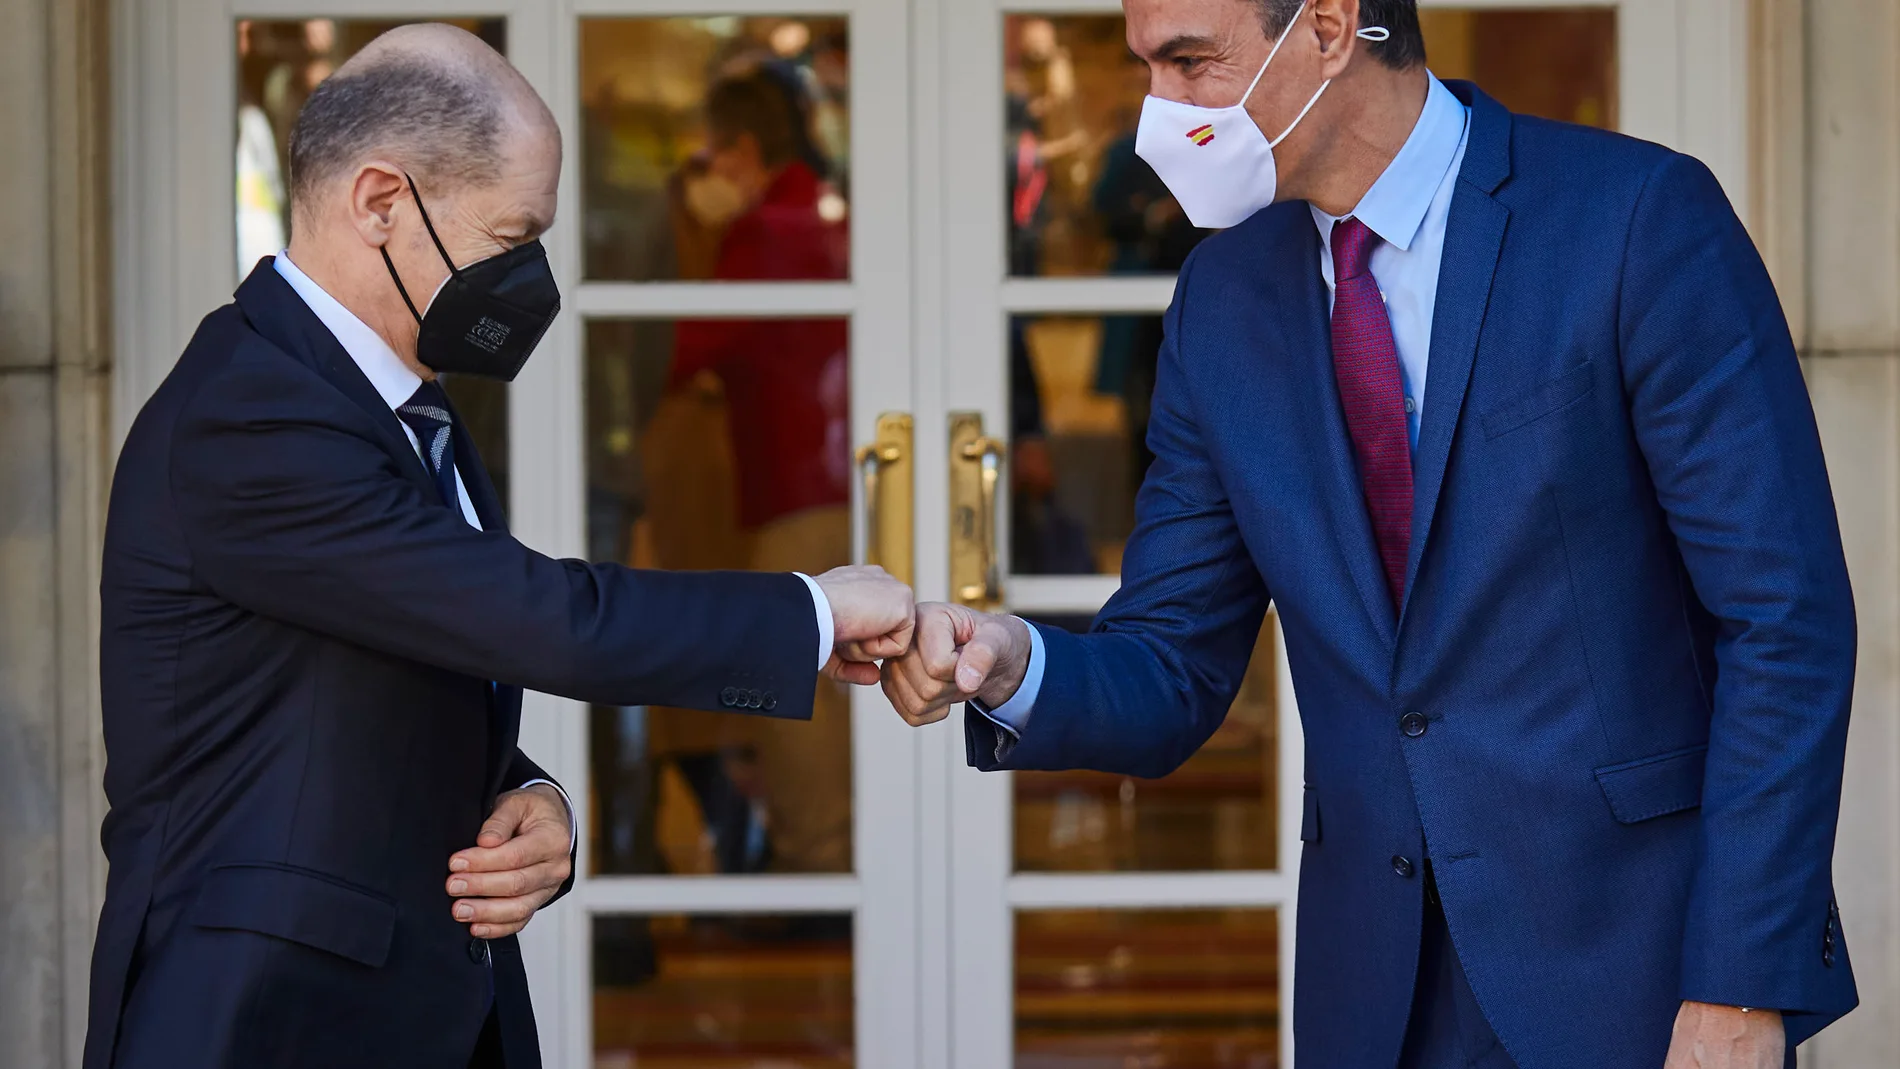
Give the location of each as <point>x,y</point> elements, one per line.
<point>1095,989</point>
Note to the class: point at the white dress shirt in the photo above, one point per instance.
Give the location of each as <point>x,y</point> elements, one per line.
<point>396,383</point>
<point>1408,208</point>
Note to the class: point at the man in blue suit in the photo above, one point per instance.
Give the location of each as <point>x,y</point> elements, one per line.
<point>1503,415</point>
<point>316,628</point>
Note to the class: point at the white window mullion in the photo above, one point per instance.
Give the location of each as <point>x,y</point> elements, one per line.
<point>667,300</point>
<point>1150,890</point>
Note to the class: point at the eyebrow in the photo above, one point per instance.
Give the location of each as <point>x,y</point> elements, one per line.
<point>1183,43</point>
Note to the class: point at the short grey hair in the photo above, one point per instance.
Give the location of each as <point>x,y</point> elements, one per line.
<point>442,121</point>
<point>1403,50</point>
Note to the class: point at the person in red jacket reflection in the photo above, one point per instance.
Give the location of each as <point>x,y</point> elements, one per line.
<point>786,383</point>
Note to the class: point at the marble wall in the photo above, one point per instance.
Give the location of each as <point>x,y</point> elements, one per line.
<point>1829,95</point>
<point>53,441</point>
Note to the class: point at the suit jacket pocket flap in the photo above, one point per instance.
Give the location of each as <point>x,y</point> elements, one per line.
<point>1541,401</point>
<point>299,905</point>
<point>1654,786</point>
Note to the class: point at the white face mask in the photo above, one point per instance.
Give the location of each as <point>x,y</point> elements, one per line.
<point>1216,161</point>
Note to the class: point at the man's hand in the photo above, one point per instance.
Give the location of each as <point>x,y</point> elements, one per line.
<point>872,616</point>
<point>958,654</point>
<point>517,863</point>
<point>1723,1037</point>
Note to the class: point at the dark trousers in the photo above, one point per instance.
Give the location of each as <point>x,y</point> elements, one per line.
<point>1447,1030</point>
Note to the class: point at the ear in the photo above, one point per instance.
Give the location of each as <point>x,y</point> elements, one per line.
<point>1337,24</point>
<point>374,193</point>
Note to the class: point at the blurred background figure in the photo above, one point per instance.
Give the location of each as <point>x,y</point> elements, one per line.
<point>786,385</point>
<point>716,151</point>
<point>260,180</point>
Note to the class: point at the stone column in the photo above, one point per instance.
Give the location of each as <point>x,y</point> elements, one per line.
<point>1826,210</point>
<point>54,292</point>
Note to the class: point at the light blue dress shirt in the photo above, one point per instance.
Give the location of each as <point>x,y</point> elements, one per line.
<point>1408,208</point>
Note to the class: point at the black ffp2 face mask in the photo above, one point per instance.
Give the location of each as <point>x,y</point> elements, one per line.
<point>489,316</point>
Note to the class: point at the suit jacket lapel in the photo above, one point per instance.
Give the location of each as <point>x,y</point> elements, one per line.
<point>1300,313</point>
<point>1474,238</point>
<point>276,312</point>
<point>504,700</point>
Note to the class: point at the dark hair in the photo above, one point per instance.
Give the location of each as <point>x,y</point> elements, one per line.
<point>444,125</point>
<point>757,103</point>
<point>1403,50</point>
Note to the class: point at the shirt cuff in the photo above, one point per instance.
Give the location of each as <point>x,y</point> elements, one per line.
<point>827,631</point>
<point>1013,715</point>
<point>573,827</point>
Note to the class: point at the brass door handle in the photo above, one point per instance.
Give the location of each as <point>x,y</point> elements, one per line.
<point>976,476</point>
<point>889,489</point>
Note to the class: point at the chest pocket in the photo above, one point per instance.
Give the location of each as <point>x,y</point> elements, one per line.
<point>1550,396</point>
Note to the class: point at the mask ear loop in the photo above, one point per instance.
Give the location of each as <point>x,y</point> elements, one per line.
<point>430,227</point>
<point>1284,34</point>
<point>1370,33</point>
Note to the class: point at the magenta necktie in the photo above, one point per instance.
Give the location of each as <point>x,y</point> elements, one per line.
<point>1366,363</point>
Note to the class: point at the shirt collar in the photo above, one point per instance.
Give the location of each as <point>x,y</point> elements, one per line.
<point>1394,208</point>
<point>393,380</point>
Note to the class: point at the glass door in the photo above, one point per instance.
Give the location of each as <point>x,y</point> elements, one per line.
<point>1101,920</point>
<point>737,190</point>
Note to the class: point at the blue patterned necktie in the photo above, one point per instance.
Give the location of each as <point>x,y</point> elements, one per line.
<point>427,414</point>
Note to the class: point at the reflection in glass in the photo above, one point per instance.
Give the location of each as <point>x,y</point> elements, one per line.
<point>1167,989</point>
<point>1080,201</point>
<point>715,148</point>
<point>1079,391</point>
<point>723,992</point>
<point>718,444</point>
<point>1217,812</point>
<point>1559,63</point>
<point>280,62</point>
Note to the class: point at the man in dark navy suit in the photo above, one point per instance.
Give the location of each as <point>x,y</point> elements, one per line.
<point>1503,416</point>
<point>316,628</point>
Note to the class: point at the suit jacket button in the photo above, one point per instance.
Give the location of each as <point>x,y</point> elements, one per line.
<point>1827,957</point>
<point>478,950</point>
<point>728,697</point>
<point>1412,724</point>
<point>771,701</point>
<point>754,700</point>
<point>1402,866</point>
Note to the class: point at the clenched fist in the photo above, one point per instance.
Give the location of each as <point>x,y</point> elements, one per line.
<point>958,654</point>
<point>872,616</point>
